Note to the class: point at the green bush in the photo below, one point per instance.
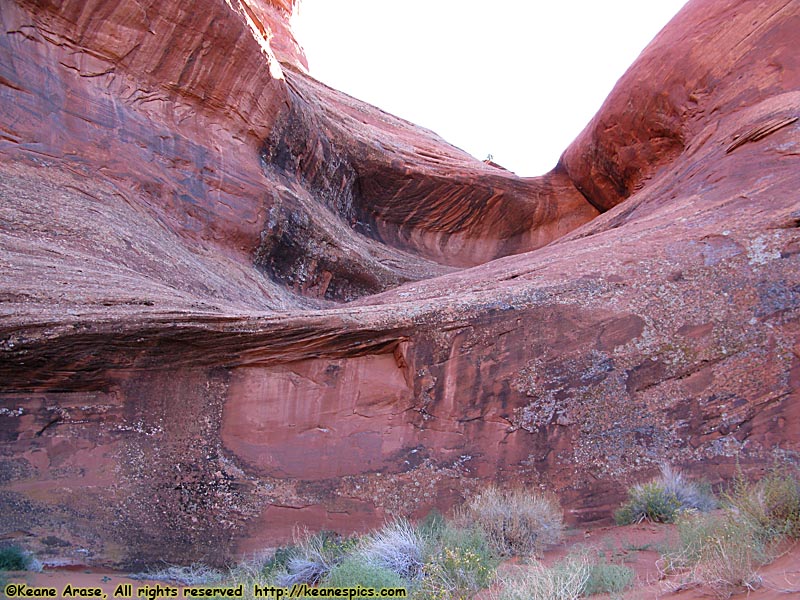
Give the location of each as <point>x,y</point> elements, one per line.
<point>663,499</point>
<point>276,564</point>
<point>648,501</point>
<point>459,564</point>
<point>516,522</point>
<point>353,571</point>
<point>432,526</point>
<point>608,578</point>
<point>312,558</point>
<point>13,558</point>
<point>470,544</point>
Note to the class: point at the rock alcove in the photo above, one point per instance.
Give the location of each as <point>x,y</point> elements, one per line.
<point>234,299</point>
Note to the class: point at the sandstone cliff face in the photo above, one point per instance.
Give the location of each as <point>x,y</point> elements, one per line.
<point>234,299</point>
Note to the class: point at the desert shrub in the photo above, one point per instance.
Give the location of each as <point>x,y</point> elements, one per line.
<point>275,565</point>
<point>432,526</point>
<point>194,574</point>
<point>771,504</point>
<point>249,572</point>
<point>724,551</point>
<point>695,495</point>
<point>13,558</point>
<point>720,551</point>
<point>664,498</point>
<point>312,558</point>
<point>584,572</point>
<point>608,578</point>
<point>460,564</point>
<point>517,521</point>
<point>648,501</point>
<point>261,569</point>
<point>354,571</point>
<point>565,580</point>
<point>472,541</point>
<point>398,547</point>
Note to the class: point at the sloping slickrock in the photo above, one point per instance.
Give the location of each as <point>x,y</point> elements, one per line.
<point>233,299</point>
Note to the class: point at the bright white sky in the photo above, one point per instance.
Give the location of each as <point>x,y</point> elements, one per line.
<point>518,79</point>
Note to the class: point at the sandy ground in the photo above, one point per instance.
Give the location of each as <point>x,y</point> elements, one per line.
<point>633,545</point>
<point>638,546</point>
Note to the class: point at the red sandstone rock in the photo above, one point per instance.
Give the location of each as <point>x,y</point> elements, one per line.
<point>233,298</point>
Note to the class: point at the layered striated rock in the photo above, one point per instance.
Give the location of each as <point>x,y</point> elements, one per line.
<point>234,299</point>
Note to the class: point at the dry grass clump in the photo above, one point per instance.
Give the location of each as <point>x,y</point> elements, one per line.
<point>194,574</point>
<point>717,551</point>
<point>584,572</point>
<point>771,504</point>
<point>397,547</point>
<point>563,581</point>
<point>517,521</point>
<point>250,572</point>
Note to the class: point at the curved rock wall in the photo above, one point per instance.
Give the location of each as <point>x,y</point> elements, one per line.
<point>234,299</point>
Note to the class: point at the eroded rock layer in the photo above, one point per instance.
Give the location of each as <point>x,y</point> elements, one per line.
<point>234,299</point>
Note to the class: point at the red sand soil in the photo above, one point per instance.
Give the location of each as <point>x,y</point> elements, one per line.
<point>638,546</point>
